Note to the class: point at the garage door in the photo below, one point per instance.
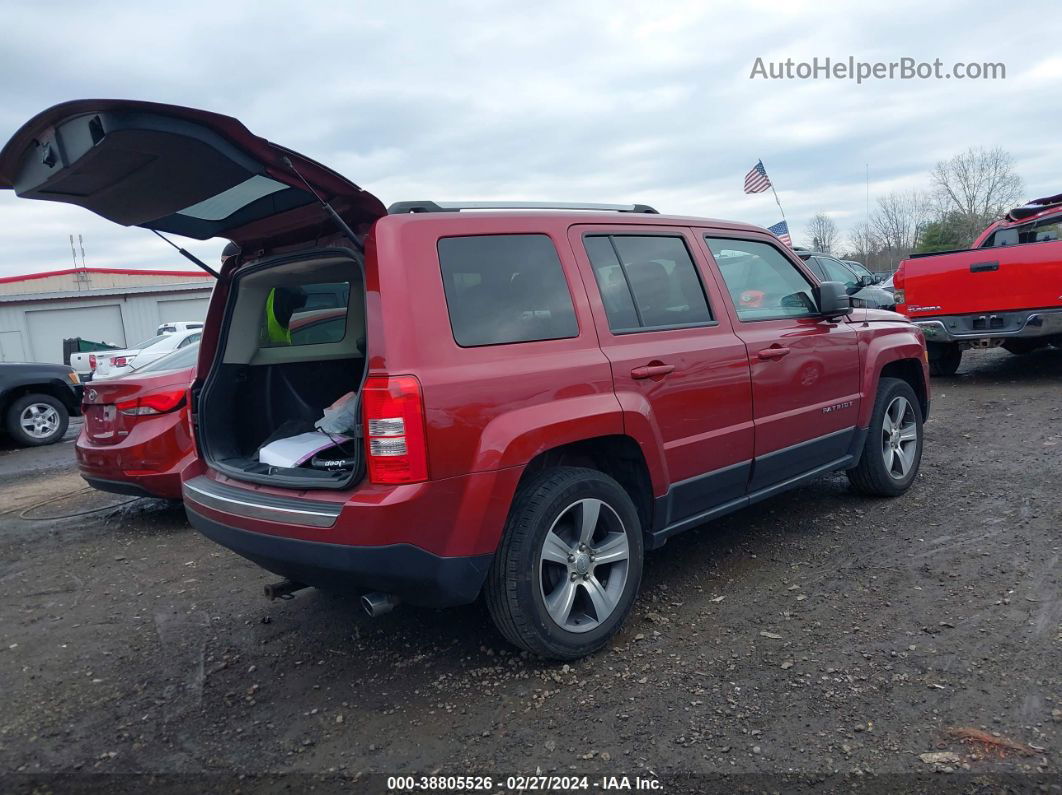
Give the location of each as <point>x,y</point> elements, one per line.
<point>49,327</point>
<point>11,349</point>
<point>192,309</point>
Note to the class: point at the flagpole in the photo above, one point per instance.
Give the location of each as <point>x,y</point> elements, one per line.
<point>776,200</point>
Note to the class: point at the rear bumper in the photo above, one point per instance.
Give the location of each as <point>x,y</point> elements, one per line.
<point>148,462</point>
<point>166,485</point>
<point>1027,323</point>
<point>133,489</point>
<point>407,571</point>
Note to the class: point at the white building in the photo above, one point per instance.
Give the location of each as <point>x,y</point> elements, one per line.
<point>120,306</point>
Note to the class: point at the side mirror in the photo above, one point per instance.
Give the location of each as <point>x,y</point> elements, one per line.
<point>867,281</point>
<point>832,300</point>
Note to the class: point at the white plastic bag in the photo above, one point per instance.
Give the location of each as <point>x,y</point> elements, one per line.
<point>340,417</point>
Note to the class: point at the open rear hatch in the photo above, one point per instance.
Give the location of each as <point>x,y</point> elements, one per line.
<point>203,175</point>
<point>181,170</point>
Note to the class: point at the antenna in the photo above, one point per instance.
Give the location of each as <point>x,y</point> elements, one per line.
<point>81,243</point>
<point>73,251</point>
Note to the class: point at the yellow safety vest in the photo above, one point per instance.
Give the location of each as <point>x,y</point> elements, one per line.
<point>276,334</point>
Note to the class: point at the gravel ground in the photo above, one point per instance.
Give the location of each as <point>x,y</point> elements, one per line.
<point>819,634</point>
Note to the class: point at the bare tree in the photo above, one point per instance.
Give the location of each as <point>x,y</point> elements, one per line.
<point>978,185</point>
<point>863,242</point>
<point>897,221</point>
<point>823,233</point>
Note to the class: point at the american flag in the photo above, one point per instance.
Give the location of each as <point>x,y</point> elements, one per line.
<point>781,231</point>
<point>756,181</point>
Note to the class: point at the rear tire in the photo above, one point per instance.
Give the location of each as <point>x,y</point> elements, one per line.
<point>892,452</point>
<point>38,419</point>
<point>944,358</point>
<point>547,590</point>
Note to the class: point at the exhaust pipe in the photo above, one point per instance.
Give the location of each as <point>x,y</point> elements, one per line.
<point>283,589</point>
<point>376,604</point>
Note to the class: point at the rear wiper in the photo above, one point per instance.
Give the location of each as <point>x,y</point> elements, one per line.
<point>189,256</point>
<point>343,227</point>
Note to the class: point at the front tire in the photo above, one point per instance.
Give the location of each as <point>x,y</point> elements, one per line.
<point>569,565</point>
<point>893,449</point>
<point>35,420</point>
<point>944,358</point>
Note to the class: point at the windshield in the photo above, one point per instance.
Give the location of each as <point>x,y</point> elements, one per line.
<point>148,342</point>
<point>178,360</point>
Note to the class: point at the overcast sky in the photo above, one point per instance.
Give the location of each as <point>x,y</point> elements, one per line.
<point>574,101</point>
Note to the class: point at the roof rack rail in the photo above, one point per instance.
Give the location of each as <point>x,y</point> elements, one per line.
<point>399,208</point>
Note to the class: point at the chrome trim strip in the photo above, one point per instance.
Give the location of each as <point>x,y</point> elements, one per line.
<point>256,510</point>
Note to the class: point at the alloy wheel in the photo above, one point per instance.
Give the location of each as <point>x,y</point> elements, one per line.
<point>39,420</point>
<point>583,565</point>
<point>899,437</point>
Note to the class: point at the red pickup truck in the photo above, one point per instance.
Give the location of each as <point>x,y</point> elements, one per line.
<point>1006,290</point>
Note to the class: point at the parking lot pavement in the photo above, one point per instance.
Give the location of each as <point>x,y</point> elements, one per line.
<point>16,461</point>
<point>817,632</point>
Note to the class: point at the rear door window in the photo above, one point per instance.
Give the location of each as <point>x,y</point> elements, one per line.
<point>505,288</point>
<point>836,272</point>
<point>762,282</point>
<point>647,282</point>
<point>815,267</point>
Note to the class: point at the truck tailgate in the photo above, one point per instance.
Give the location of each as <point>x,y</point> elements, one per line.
<point>1027,276</point>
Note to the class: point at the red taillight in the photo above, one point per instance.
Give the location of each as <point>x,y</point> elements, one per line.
<point>899,294</point>
<point>119,361</point>
<point>154,403</point>
<point>395,437</point>
<point>92,361</point>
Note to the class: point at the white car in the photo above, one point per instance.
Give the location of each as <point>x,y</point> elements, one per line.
<point>85,363</point>
<point>179,325</point>
<point>113,364</point>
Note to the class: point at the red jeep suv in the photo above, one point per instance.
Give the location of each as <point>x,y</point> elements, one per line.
<point>537,395</point>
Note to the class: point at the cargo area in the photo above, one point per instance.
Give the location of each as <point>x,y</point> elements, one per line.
<point>280,404</point>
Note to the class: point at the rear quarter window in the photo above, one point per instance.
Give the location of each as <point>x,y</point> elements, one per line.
<point>1046,230</point>
<point>505,289</point>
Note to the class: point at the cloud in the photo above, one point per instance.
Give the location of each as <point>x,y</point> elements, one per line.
<point>594,101</point>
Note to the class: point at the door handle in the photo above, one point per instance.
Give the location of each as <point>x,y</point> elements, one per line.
<point>652,371</point>
<point>982,267</point>
<point>774,352</point>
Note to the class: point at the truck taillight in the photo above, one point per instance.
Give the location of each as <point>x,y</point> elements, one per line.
<point>92,361</point>
<point>898,293</point>
<point>119,361</point>
<point>156,403</point>
<point>395,435</point>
